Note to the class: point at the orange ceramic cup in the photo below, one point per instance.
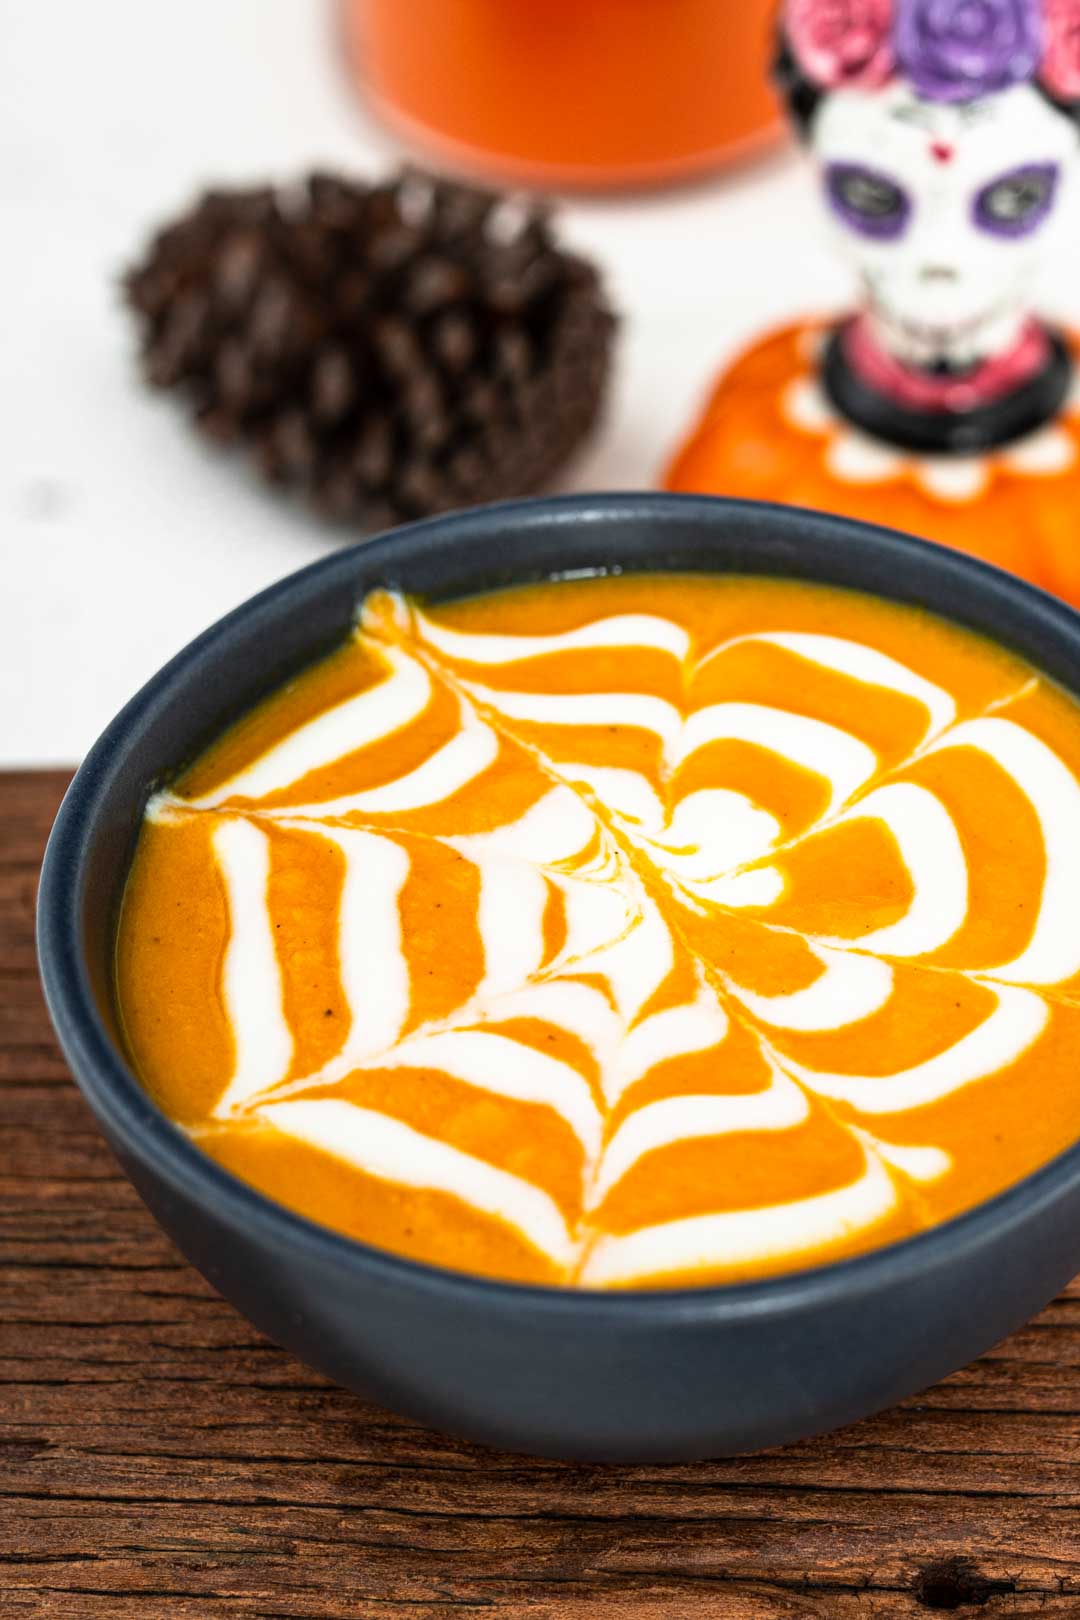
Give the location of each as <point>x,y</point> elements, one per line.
<point>588,93</point>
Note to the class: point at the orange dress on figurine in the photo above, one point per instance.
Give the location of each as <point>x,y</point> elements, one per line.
<point>945,134</point>
<point>770,433</point>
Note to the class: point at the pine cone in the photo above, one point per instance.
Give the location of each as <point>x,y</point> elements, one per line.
<point>393,350</point>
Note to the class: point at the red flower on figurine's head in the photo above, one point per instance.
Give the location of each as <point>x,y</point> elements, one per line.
<point>841,42</point>
<point>1059,71</point>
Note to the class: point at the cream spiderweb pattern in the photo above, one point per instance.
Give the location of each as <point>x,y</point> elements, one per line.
<point>631,863</point>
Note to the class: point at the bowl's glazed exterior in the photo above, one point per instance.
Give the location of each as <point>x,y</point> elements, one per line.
<point>649,1376</point>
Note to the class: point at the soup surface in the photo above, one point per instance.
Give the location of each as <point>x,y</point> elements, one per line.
<point>648,930</point>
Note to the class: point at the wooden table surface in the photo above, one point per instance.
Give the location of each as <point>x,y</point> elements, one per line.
<point>159,1458</point>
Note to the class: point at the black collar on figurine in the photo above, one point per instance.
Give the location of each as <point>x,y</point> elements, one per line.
<point>1033,403</point>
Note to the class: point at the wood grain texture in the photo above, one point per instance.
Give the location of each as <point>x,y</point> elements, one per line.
<point>159,1458</point>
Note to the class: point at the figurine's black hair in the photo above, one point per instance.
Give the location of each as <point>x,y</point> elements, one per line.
<point>1068,109</point>
<point>803,97</point>
<point>800,93</point>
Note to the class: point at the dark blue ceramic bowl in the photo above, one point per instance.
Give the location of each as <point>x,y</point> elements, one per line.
<point>630,1376</point>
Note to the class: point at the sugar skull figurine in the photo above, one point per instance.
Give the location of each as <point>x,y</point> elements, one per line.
<point>946,137</point>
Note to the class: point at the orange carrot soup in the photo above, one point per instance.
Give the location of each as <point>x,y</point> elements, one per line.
<point>614,932</point>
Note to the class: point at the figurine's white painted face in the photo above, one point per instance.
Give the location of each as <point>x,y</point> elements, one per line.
<point>946,209</point>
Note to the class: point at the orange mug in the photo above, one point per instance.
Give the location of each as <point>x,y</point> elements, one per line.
<point>585,93</point>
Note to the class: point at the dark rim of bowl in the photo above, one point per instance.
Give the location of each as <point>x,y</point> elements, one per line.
<point>128,1110</point>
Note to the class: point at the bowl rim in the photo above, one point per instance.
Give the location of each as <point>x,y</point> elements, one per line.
<point>145,1131</point>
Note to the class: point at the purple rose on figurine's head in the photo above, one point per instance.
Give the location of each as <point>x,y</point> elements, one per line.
<point>958,50</point>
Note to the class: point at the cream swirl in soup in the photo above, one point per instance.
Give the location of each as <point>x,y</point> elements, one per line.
<point>624,931</point>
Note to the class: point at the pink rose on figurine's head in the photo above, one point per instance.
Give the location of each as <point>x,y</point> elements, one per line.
<point>841,42</point>
<point>1060,69</point>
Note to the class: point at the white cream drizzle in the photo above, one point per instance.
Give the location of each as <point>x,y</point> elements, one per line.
<point>1004,1036</point>
<point>384,1147</point>
<point>917,1163</point>
<point>513,900</point>
<point>779,1107</point>
<point>555,829</point>
<point>589,838</point>
<point>743,1237</point>
<point>849,987</point>
<point>638,710</point>
<point>695,1026</point>
<point>1053,952</point>
<point>620,630</point>
<point>373,968</point>
<point>459,761</point>
<point>931,850</point>
<point>251,978</point>
<point>868,666</point>
<point>566,1003</point>
<point>844,761</point>
<point>506,1068</point>
<point>359,721</point>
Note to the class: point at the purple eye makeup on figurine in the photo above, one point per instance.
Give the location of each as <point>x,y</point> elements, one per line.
<point>1017,203</point>
<point>867,201</point>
